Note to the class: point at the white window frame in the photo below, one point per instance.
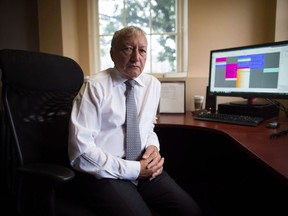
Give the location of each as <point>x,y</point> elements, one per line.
<point>182,39</point>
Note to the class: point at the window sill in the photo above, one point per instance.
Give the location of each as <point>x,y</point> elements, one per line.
<point>170,75</point>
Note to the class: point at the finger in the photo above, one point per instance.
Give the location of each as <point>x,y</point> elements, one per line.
<point>147,153</point>
<point>157,173</point>
<point>155,162</point>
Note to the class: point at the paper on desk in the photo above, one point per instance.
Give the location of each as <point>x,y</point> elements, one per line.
<point>172,97</point>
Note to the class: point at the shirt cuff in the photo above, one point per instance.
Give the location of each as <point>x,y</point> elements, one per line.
<point>133,170</point>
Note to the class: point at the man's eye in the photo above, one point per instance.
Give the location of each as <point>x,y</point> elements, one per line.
<point>128,49</point>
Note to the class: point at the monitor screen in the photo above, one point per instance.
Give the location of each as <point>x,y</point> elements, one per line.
<point>256,71</point>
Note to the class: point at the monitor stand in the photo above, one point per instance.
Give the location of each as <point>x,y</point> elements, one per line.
<point>249,108</point>
<point>250,102</point>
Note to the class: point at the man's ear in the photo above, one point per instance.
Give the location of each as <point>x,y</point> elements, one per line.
<point>111,54</point>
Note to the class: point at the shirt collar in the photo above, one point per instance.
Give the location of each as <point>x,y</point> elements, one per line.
<point>117,79</point>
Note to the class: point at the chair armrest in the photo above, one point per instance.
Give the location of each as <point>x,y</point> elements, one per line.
<point>53,172</point>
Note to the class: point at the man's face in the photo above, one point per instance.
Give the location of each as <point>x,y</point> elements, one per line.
<point>129,55</point>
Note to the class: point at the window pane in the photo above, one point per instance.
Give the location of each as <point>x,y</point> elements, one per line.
<point>147,68</point>
<point>105,60</point>
<point>163,16</point>
<point>137,13</point>
<point>110,16</point>
<point>163,53</point>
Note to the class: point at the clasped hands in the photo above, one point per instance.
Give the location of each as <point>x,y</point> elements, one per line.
<point>151,163</point>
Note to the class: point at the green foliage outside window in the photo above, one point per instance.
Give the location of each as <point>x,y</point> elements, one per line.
<point>156,17</point>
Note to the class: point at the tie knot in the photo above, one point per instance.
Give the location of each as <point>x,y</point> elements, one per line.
<point>130,83</point>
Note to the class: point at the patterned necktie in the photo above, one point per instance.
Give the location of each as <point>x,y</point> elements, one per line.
<point>133,142</point>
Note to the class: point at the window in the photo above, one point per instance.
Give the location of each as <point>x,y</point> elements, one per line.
<point>164,22</point>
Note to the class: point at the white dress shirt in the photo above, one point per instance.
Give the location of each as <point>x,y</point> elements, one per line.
<point>97,126</point>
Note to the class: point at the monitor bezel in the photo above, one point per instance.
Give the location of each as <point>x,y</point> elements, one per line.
<point>245,95</point>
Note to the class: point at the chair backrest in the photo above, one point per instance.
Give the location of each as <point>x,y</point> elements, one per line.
<point>37,93</point>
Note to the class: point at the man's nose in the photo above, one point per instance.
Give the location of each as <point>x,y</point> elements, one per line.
<point>135,55</point>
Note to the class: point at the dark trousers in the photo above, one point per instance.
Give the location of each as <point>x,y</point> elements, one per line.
<point>116,197</point>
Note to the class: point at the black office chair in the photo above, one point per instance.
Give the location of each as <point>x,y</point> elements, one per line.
<point>37,93</point>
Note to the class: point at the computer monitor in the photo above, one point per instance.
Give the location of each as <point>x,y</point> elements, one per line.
<point>249,72</point>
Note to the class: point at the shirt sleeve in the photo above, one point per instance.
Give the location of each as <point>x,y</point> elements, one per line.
<point>85,155</point>
<point>154,97</point>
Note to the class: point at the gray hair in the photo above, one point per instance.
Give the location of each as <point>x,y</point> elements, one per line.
<point>127,32</point>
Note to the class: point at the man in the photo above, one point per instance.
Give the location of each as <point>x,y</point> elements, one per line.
<point>112,183</point>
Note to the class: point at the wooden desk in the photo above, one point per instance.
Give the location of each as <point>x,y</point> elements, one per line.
<point>228,169</point>
<point>272,153</point>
